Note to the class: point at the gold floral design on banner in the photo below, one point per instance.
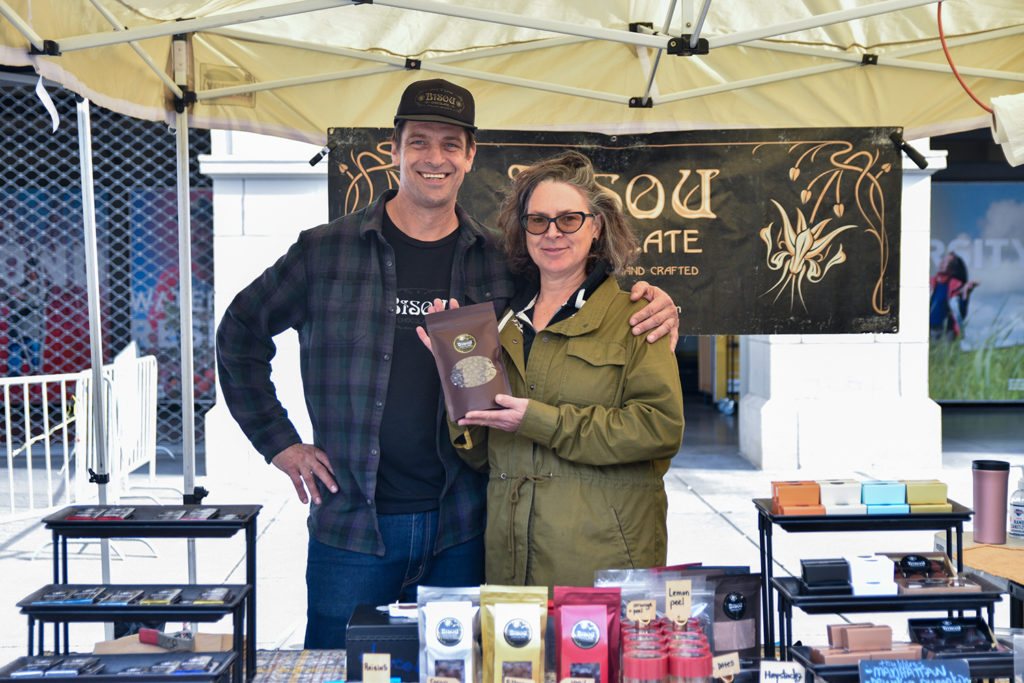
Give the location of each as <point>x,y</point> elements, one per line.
<point>803,246</point>
<point>362,169</point>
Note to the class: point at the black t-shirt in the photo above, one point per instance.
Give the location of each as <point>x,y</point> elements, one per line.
<point>411,475</point>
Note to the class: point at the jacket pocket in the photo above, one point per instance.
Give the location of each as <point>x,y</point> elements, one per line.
<point>593,372</point>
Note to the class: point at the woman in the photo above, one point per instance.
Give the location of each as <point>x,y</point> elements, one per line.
<point>950,295</point>
<point>578,452</point>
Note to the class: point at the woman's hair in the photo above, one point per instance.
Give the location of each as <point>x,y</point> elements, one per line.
<point>616,244</point>
<point>957,268</point>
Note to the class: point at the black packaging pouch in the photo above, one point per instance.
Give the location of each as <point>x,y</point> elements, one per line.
<point>467,351</point>
<point>737,616</point>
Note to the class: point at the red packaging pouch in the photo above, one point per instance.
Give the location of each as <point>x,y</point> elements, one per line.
<point>583,643</point>
<point>611,598</point>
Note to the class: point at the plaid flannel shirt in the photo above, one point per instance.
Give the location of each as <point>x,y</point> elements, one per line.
<point>337,287</point>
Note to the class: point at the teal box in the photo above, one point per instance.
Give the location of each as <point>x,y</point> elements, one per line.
<point>883,493</point>
<point>888,509</point>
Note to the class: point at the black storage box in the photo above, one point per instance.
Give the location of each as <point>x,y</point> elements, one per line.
<point>825,577</point>
<point>830,571</point>
<point>373,631</point>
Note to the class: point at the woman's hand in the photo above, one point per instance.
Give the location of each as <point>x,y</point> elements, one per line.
<point>438,305</point>
<point>507,418</point>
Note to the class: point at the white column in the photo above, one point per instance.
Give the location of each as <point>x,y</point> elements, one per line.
<point>856,401</point>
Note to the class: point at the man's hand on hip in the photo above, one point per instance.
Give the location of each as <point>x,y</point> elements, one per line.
<point>304,464</point>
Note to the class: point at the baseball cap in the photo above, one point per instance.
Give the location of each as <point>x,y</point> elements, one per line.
<point>437,100</point>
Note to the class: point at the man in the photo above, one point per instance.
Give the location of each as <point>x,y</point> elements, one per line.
<point>393,506</point>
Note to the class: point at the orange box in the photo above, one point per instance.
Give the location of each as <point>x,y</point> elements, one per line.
<point>785,510</point>
<point>868,638</point>
<point>831,655</point>
<point>899,651</point>
<point>796,493</point>
<point>835,633</point>
<point>839,632</point>
<point>205,642</point>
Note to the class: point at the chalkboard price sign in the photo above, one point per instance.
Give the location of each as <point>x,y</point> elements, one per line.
<point>914,671</point>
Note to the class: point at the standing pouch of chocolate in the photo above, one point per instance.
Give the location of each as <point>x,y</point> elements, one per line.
<point>583,643</point>
<point>611,598</point>
<point>467,352</point>
<point>513,620</point>
<point>446,640</point>
<point>737,615</point>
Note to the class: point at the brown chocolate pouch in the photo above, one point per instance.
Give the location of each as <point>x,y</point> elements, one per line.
<point>467,351</point>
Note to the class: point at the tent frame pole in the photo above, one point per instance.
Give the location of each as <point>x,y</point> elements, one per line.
<point>23,27</point>
<point>99,422</point>
<point>816,21</point>
<point>112,20</point>
<point>188,420</point>
<point>169,28</point>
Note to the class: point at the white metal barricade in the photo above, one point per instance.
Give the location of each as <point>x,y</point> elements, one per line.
<point>129,399</point>
<point>40,421</point>
<point>49,441</point>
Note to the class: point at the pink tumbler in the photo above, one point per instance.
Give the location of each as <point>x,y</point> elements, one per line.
<point>990,479</point>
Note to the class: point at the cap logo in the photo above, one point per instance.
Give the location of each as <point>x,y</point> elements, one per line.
<point>445,100</point>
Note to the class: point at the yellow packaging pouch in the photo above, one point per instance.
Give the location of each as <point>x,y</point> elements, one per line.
<point>513,621</point>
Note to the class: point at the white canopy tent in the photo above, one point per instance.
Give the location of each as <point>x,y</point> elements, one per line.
<point>294,69</point>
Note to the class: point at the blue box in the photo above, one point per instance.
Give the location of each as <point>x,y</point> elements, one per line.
<point>883,493</point>
<point>889,509</point>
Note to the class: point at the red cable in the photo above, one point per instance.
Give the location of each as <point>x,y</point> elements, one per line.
<point>949,58</point>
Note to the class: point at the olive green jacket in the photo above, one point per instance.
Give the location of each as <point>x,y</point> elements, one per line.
<point>579,487</point>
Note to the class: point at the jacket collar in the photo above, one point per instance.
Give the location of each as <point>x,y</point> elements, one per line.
<point>590,317</point>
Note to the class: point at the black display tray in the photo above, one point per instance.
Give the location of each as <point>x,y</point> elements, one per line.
<point>914,627</point>
<point>789,589</point>
<point>989,666</point>
<point>144,522</point>
<point>115,663</point>
<point>908,521</point>
<point>178,611</point>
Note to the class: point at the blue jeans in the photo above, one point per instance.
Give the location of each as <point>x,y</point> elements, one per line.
<point>338,580</point>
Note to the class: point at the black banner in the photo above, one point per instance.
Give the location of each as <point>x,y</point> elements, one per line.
<point>751,231</point>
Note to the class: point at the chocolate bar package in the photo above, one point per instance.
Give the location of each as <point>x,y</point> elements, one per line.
<point>467,351</point>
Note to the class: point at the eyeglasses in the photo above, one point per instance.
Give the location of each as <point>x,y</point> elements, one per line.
<point>567,223</point>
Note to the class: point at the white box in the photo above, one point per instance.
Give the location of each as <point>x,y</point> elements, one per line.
<point>875,587</point>
<point>839,492</point>
<point>858,509</point>
<point>871,569</point>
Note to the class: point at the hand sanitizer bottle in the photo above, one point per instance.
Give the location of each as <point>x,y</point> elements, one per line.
<point>1017,509</point>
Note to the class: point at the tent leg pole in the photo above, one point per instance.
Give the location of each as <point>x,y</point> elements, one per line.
<point>95,322</point>
<point>188,431</point>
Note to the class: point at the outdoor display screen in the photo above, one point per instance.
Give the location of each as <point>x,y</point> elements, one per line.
<point>980,223</point>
